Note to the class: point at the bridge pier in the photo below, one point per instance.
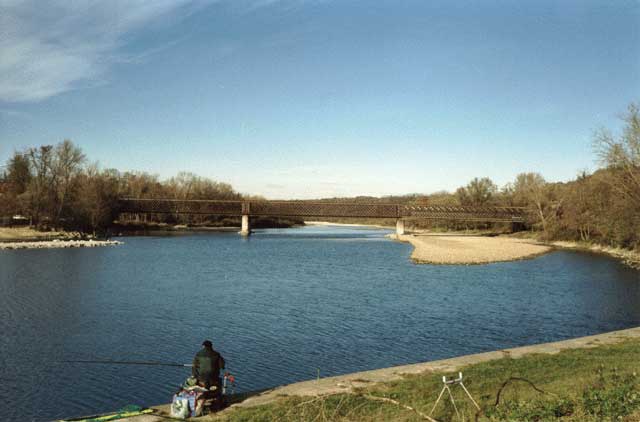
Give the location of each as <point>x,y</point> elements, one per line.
<point>399,227</point>
<point>246,226</point>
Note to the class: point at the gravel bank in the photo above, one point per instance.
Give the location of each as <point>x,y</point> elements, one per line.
<point>55,244</point>
<point>452,249</point>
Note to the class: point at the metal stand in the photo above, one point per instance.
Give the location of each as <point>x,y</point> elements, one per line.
<point>228,382</point>
<point>452,382</point>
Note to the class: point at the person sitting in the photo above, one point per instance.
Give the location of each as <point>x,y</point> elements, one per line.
<point>207,364</point>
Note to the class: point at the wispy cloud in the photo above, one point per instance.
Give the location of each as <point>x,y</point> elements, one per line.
<point>49,47</point>
<point>14,113</point>
<point>284,5</point>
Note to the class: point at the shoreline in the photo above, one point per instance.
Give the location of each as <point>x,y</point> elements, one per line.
<point>628,257</point>
<point>328,223</point>
<point>423,254</point>
<point>350,383</point>
<point>58,244</point>
<point>456,249</point>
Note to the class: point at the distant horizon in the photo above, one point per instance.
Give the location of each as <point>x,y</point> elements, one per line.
<point>400,194</point>
<point>300,99</point>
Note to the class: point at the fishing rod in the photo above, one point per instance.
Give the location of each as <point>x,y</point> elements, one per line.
<point>129,362</point>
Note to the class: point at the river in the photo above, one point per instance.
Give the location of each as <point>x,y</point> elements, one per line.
<point>279,306</point>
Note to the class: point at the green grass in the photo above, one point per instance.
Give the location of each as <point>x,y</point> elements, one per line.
<point>586,385</point>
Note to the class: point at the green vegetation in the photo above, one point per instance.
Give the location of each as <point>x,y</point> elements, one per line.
<point>580,385</point>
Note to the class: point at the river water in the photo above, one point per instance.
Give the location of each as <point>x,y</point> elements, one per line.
<point>279,306</point>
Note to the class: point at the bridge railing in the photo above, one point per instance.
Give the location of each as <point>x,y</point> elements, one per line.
<point>179,206</point>
<point>320,209</point>
<point>444,212</point>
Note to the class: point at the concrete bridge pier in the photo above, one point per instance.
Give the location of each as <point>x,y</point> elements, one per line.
<point>399,227</point>
<point>246,226</point>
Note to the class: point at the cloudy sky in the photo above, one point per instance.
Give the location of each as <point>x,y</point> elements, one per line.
<point>316,98</point>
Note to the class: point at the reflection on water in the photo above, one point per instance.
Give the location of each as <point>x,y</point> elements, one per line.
<point>279,306</point>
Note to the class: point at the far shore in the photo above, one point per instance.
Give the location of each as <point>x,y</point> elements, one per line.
<point>328,223</point>
<point>474,248</point>
<point>452,249</point>
<point>28,238</point>
<point>58,244</point>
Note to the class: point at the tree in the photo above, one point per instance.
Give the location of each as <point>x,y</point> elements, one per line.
<point>622,155</point>
<point>67,164</point>
<point>16,182</point>
<point>478,192</point>
<point>40,190</point>
<point>530,190</point>
<point>18,174</point>
<point>99,193</point>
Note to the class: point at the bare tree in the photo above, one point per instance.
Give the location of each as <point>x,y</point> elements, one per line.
<point>530,189</point>
<point>478,192</point>
<point>67,164</point>
<point>622,155</point>
<point>40,188</point>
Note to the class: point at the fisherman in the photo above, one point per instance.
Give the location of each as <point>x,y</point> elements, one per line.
<point>206,367</point>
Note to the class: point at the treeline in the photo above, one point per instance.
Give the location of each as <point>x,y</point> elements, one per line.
<point>602,207</point>
<point>57,187</point>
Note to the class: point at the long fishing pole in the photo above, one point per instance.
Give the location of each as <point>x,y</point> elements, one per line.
<point>129,362</point>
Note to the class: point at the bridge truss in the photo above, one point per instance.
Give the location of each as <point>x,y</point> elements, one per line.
<point>318,209</point>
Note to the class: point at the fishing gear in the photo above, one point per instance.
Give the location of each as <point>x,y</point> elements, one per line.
<point>228,382</point>
<point>129,362</point>
<point>452,382</point>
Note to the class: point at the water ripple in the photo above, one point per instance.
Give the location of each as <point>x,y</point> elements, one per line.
<point>279,306</point>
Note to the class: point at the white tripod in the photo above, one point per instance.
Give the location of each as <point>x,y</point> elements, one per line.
<point>447,383</point>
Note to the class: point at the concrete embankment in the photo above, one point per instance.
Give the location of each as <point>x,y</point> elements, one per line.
<point>57,244</point>
<point>347,383</point>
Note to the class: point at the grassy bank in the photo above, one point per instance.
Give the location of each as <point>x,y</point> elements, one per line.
<point>27,234</point>
<point>586,385</point>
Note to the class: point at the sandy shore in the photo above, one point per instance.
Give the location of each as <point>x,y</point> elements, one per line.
<point>328,223</point>
<point>20,234</point>
<point>56,244</point>
<point>456,249</point>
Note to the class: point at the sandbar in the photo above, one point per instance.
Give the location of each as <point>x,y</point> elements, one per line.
<point>467,250</point>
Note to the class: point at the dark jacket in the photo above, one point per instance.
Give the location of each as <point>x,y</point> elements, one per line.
<point>206,367</point>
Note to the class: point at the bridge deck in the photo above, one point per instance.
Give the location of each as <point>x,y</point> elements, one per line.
<point>320,209</point>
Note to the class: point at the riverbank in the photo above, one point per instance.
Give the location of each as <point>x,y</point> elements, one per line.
<point>28,238</point>
<point>629,257</point>
<point>564,373</point>
<point>24,234</point>
<point>455,249</point>
<point>563,369</point>
<point>58,244</point>
<point>328,223</point>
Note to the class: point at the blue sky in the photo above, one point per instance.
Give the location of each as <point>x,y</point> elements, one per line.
<point>305,99</point>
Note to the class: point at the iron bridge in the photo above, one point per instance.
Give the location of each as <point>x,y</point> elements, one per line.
<point>318,209</point>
